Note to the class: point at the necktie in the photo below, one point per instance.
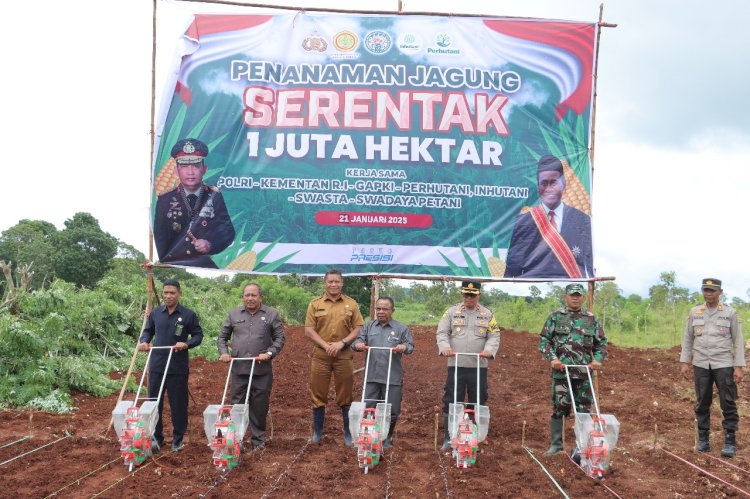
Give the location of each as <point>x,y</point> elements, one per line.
<point>192,198</point>
<point>552,220</point>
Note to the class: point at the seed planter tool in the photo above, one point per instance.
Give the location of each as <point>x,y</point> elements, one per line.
<point>135,424</point>
<point>596,434</point>
<point>371,425</point>
<point>225,424</point>
<point>467,427</point>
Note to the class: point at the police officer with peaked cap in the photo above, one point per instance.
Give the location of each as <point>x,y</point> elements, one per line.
<point>713,344</point>
<point>191,221</point>
<point>467,327</point>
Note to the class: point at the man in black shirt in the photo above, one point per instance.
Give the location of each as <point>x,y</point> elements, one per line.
<point>172,325</point>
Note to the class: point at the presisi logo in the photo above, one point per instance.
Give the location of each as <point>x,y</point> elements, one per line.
<point>378,42</point>
<point>377,257</point>
<point>315,42</point>
<point>345,41</point>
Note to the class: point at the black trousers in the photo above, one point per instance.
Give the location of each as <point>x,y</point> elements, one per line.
<point>176,387</point>
<point>723,378</point>
<point>376,391</point>
<point>260,393</point>
<point>467,382</point>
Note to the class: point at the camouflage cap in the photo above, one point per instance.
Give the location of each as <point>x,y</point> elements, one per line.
<point>711,283</point>
<point>189,151</point>
<point>574,288</point>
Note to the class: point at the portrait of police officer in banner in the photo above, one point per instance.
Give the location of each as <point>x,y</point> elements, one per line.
<point>191,222</point>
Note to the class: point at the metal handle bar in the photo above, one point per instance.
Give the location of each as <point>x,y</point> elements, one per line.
<point>455,374</point>
<point>591,384</point>
<point>249,381</point>
<point>367,369</point>
<point>145,370</point>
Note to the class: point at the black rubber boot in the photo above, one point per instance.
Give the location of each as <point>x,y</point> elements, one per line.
<point>446,434</point>
<point>319,416</point>
<point>388,442</point>
<point>730,445</point>
<point>703,443</point>
<point>347,433</point>
<point>556,433</point>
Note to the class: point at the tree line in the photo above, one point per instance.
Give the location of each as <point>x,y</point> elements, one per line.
<point>72,303</point>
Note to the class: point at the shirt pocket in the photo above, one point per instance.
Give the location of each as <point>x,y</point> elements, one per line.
<point>723,326</point>
<point>481,328</point>
<point>698,326</point>
<point>587,339</point>
<point>562,333</point>
<point>321,313</point>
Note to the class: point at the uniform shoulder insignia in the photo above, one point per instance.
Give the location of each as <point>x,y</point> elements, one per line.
<point>212,188</point>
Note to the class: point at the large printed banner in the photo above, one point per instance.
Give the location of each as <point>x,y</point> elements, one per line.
<point>376,144</point>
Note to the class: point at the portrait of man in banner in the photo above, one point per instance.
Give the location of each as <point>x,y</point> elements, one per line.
<point>552,239</point>
<point>191,221</point>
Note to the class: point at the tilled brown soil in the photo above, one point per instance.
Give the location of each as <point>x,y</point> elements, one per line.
<point>642,388</point>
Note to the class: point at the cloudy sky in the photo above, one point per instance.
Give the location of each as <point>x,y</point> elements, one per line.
<point>672,146</point>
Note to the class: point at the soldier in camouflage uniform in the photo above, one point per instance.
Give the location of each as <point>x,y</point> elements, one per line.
<point>466,328</point>
<point>570,336</point>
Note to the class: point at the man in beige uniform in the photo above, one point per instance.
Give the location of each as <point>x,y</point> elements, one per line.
<point>466,328</point>
<point>333,322</point>
<point>714,346</point>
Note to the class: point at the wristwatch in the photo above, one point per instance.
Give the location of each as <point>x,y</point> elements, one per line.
<point>270,353</point>
<point>346,344</point>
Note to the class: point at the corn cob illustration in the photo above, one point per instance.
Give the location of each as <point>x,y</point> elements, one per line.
<point>496,266</point>
<point>167,178</point>
<point>246,261</point>
<point>575,194</point>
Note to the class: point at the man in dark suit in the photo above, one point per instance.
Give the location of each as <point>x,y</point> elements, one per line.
<point>191,222</point>
<point>552,240</point>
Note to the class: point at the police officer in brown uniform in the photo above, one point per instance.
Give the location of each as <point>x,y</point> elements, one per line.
<point>333,322</point>
<point>255,330</point>
<point>191,221</point>
<point>466,328</point>
<point>713,344</point>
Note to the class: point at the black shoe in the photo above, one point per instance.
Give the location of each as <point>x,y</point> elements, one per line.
<point>730,446</point>
<point>703,442</point>
<point>156,446</point>
<point>177,446</point>
<point>259,446</point>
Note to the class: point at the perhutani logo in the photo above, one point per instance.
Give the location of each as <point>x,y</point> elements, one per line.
<point>443,42</point>
<point>409,43</point>
<point>315,43</point>
<point>345,41</point>
<point>378,42</point>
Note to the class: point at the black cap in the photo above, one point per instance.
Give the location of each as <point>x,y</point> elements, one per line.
<point>189,151</point>
<point>549,163</point>
<point>711,283</point>
<point>470,287</point>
